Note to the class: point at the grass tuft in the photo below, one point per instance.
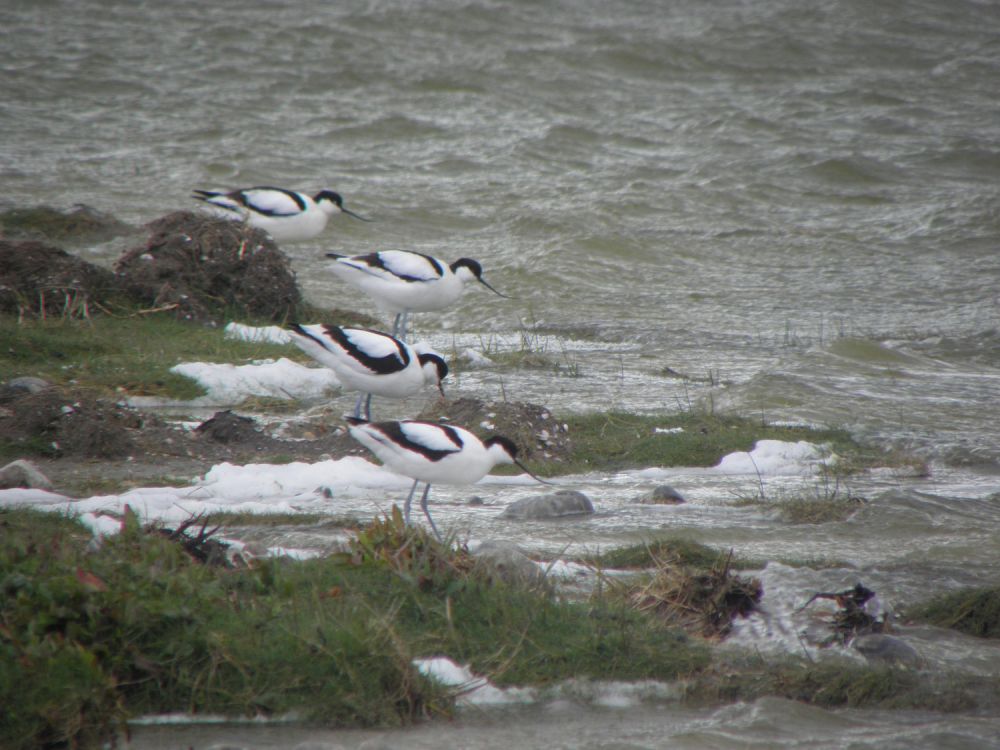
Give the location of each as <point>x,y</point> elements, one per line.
<point>972,611</point>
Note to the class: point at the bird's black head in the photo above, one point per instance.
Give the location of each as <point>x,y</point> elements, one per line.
<point>328,195</point>
<point>438,362</point>
<point>504,442</point>
<point>473,265</point>
<point>337,200</point>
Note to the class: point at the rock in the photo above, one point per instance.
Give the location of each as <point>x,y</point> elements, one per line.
<point>17,387</point>
<point>664,494</point>
<point>23,474</point>
<point>509,563</point>
<point>882,648</point>
<point>554,505</point>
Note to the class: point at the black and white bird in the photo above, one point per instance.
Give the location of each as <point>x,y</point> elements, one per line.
<point>371,362</point>
<point>286,215</point>
<point>433,453</point>
<point>402,282</point>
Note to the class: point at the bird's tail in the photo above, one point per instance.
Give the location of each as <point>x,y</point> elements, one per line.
<point>355,420</point>
<point>335,255</point>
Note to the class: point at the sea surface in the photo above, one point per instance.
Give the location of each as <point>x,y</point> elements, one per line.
<point>778,209</point>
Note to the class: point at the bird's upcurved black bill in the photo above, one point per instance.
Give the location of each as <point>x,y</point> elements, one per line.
<point>354,215</point>
<point>528,472</point>
<point>500,294</point>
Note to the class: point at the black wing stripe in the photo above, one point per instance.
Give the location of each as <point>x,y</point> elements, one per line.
<point>386,365</point>
<point>394,431</point>
<point>374,260</point>
<point>241,196</point>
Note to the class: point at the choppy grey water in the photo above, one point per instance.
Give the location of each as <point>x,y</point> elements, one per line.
<point>794,205</point>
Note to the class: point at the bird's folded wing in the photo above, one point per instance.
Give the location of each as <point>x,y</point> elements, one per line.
<point>431,437</point>
<point>271,202</point>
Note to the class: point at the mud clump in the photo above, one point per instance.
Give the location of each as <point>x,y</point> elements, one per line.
<point>38,280</point>
<point>57,423</point>
<point>202,269</point>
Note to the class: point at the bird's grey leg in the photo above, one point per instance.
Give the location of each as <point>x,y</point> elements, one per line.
<point>409,499</point>
<point>395,324</point>
<point>368,407</point>
<point>357,406</point>
<point>404,325</point>
<point>427,512</point>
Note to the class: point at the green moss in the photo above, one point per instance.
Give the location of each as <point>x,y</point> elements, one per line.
<point>972,611</point>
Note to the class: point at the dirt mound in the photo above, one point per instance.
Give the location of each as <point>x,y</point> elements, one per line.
<point>40,280</point>
<point>535,432</point>
<point>204,269</point>
<point>55,422</point>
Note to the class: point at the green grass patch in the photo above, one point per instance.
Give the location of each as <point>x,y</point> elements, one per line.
<point>612,441</point>
<point>972,611</point>
<point>801,510</point>
<point>90,638</point>
<point>654,551</point>
<point>112,355</point>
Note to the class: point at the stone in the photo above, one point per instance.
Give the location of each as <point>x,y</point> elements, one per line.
<point>664,494</point>
<point>886,649</point>
<point>509,563</point>
<point>554,505</point>
<point>23,473</point>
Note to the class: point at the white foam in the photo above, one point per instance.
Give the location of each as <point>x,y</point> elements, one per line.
<point>258,334</point>
<point>775,458</point>
<point>229,384</point>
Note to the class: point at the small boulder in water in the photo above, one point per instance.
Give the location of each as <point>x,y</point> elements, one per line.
<point>664,494</point>
<point>886,649</point>
<point>553,505</point>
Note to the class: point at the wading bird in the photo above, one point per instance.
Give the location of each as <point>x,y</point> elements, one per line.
<point>286,215</point>
<point>402,282</point>
<point>433,453</point>
<point>371,362</point>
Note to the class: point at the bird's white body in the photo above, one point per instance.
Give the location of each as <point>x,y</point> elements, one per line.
<point>370,361</point>
<point>286,215</point>
<point>401,282</point>
<point>431,452</point>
